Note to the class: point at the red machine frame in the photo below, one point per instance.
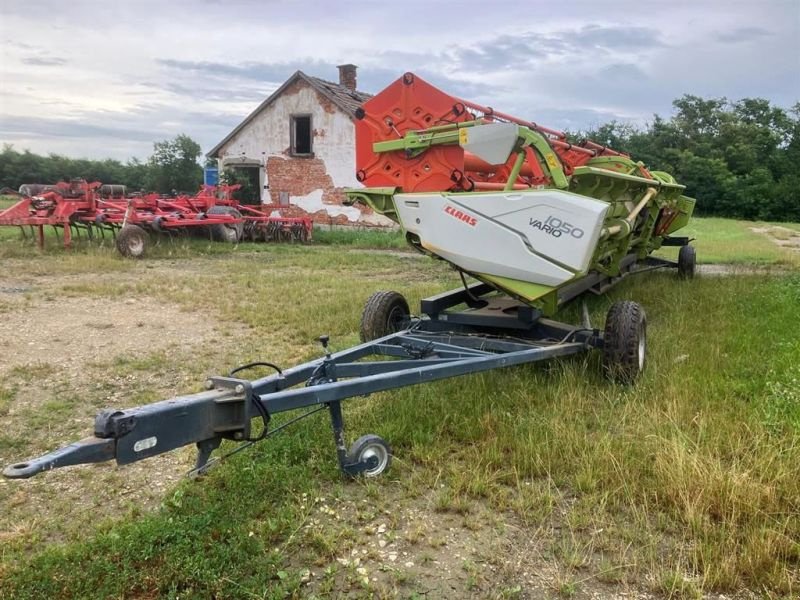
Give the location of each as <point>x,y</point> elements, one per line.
<point>83,205</point>
<point>412,104</point>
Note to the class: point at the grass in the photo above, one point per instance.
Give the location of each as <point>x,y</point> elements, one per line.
<point>363,238</point>
<point>734,242</point>
<point>7,201</point>
<point>682,485</point>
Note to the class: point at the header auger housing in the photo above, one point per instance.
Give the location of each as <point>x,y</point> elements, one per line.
<point>505,200</point>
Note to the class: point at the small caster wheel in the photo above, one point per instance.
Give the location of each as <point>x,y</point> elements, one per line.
<point>687,260</point>
<point>369,456</point>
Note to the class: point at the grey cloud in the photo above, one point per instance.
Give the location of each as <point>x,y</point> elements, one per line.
<point>742,34</point>
<point>120,135</point>
<point>43,61</point>
<point>370,79</point>
<point>618,37</point>
<point>513,51</point>
<point>576,119</point>
<point>259,71</point>
<point>212,92</point>
<point>44,127</point>
<point>508,51</point>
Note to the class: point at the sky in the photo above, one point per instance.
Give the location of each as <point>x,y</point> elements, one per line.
<point>106,79</point>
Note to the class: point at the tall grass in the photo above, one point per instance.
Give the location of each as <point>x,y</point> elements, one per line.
<point>686,483</point>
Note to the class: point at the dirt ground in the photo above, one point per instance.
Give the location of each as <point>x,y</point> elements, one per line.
<point>782,236</point>
<point>65,358</point>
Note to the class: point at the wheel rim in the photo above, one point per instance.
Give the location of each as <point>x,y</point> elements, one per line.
<point>136,245</point>
<point>381,453</point>
<point>397,318</point>
<point>642,347</point>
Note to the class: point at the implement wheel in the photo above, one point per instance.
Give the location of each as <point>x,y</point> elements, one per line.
<point>373,450</point>
<point>230,233</point>
<point>625,341</point>
<point>687,260</point>
<point>132,241</point>
<point>384,313</point>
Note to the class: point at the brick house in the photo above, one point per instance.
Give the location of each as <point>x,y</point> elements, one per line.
<point>298,149</point>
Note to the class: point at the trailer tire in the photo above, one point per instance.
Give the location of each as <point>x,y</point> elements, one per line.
<point>369,446</point>
<point>384,313</point>
<point>625,341</point>
<point>132,241</point>
<point>687,261</point>
<point>226,233</point>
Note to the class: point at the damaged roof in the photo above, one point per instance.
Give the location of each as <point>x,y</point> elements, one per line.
<point>346,99</point>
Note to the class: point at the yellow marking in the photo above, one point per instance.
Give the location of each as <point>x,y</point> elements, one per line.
<point>551,160</point>
<point>463,137</point>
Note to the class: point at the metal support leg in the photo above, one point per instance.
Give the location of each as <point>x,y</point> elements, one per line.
<point>337,422</point>
<point>204,450</point>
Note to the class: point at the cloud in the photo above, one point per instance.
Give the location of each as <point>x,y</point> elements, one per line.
<point>258,71</point>
<point>42,127</point>
<point>186,67</point>
<point>619,37</point>
<point>741,34</point>
<point>508,52</point>
<point>44,61</point>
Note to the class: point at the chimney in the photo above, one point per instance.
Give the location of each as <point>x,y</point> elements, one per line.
<point>347,76</point>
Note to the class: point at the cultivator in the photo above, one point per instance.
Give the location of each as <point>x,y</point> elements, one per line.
<point>536,220</point>
<point>81,208</point>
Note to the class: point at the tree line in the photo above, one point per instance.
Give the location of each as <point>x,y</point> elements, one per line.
<point>739,159</point>
<point>172,167</point>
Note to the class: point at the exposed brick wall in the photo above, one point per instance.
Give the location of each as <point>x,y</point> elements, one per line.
<point>300,177</point>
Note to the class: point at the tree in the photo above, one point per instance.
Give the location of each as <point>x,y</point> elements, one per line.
<point>173,167</point>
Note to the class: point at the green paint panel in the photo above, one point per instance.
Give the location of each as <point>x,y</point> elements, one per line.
<point>514,287</point>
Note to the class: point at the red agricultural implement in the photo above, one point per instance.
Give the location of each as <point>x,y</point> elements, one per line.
<point>96,209</point>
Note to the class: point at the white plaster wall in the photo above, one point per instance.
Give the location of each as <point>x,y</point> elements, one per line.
<point>269,134</point>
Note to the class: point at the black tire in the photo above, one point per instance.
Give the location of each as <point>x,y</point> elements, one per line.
<point>369,446</point>
<point>687,261</point>
<point>226,233</point>
<point>132,241</point>
<point>625,341</point>
<point>384,313</point>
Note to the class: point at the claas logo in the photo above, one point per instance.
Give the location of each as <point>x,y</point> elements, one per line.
<point>469,220</point>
